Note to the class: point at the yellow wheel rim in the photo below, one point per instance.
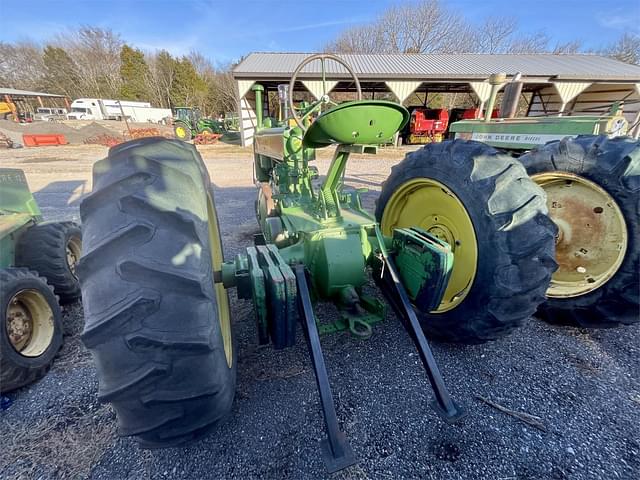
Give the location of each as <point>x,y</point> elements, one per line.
<point>592,234</point>
<point>181,132</point>
<point>29,323</point>
<point>222,297</point>
<point>430,205</point>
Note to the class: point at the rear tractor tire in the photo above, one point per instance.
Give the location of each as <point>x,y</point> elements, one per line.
<point>593,193</point>
<point>182,132</point>
<point>494,217</point>
<point>53,250</point>
<point>31,330</point>
<point>158,327</point>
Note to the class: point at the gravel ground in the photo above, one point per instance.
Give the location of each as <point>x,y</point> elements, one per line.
<point>584,385</point>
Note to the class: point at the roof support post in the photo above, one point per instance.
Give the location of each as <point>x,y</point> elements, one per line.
<point>402,88</point>
<point>567,91</point>
<point>316,87</point>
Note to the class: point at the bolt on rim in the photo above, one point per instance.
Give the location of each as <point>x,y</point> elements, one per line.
<point>592,233</point>
<point>29,323</point>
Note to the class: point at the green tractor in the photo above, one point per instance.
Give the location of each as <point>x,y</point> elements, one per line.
<point>37,270</point>
<point>188,123</point>
<point>590,172</point>
<point>474,263</point>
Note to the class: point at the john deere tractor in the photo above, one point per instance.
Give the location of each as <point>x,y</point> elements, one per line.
<point>37,270</point>
<point>590,172</point>
<point>188,123</point>
<point>461,246</point>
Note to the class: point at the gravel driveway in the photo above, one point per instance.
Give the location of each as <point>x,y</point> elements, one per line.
<point>584,385</point>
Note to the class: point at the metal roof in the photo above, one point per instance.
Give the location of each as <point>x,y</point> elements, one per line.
<point>27,93</point>
<point>444,66</point>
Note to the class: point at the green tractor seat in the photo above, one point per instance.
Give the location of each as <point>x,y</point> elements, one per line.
<point>363,122</point>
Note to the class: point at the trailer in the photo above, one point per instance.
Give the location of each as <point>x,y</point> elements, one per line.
<point>105,109</point>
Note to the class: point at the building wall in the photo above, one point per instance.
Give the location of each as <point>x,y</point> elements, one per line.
<point>247,116</point>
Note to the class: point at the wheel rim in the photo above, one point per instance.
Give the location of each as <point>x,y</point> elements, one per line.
<point>29,323</point>
<point>181,132</point>
<point>222,298</point>
<point>74,251</point>
<point>430,205</point>
<point>592,234</point>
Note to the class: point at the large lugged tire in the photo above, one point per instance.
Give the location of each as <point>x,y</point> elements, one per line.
<point>182,131</point>
<point>495,218</point>
<point>31,330</point>
<point>593,190</point>
<point>53,250</point>
<point>157,326</point>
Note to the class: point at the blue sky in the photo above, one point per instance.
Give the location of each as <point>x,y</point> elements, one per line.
<point>226,30</point>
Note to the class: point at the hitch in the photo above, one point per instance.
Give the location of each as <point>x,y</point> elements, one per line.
<point>336,450</point>
<point>391,286</point>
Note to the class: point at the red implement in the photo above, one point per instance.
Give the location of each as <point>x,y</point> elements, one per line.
<point>43,140</point>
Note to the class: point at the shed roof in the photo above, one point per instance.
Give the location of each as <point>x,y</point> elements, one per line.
<point>27,93</point>
<point>545,67</point>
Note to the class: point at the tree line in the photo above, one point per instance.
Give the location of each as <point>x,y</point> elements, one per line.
<point>96,63</point>
<point>428,26</point>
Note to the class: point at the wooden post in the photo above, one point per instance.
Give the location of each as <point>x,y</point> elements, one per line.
<point>125,119</point>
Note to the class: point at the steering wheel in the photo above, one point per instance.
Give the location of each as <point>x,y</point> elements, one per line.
<point>325,99</point>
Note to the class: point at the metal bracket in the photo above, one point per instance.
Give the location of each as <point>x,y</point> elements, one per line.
<point>336,450</point>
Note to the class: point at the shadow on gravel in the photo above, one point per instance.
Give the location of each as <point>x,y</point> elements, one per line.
<point>61,194</point>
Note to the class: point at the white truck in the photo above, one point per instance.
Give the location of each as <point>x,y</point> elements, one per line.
<point>105,109</point>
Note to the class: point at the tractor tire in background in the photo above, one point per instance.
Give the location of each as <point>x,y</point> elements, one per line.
<point>182,131</point>
<point>494,217</point>
<point>593,193</point>
<point>31,331</point>
<point>53,250</point>
<point>158,327</point>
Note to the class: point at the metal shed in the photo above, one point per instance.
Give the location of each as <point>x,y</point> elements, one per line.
<point>559,84</point>
<point>9,93</point>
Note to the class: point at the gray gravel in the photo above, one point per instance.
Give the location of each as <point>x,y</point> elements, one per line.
<point>584,385</point>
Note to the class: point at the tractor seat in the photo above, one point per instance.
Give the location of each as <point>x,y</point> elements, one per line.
<point>362,122</point>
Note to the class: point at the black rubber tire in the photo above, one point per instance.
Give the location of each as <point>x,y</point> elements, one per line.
<point>43,248</point>
<point>17,370</point>
<point>148,293</point>
<point>515,237</point>
<point>206,130</point>
<point>187,129</point>
<point>614,165</point>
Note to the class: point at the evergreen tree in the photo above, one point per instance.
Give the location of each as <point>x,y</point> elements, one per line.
<point>60,73</point>
<point>134,73</point>
<point>188,88</point>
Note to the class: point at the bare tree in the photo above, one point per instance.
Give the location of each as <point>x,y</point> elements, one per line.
<point>427,26</point>
<point>626,49</point>
<point>161,76</point>
<point>530,43</point>
<point>21,65</point>
<point>573,46</point>
<point>96,52</point>
<point>494,35</point>
<point>421,27</point>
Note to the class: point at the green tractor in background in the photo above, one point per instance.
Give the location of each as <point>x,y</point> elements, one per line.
<point>188,122</point>
<point>590,171</point>
<point>37,270</point>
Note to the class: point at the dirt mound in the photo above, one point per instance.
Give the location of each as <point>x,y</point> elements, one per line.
<point>94,129</point>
